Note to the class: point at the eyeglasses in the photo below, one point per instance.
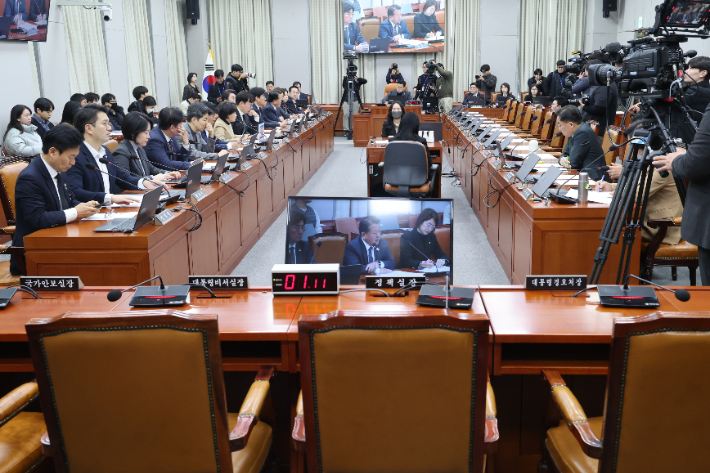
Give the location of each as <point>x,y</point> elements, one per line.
<point>429,225</point>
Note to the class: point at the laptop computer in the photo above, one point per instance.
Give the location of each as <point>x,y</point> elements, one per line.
<point>454,110</point>
<point>526,168</point>
<point>269,144</point>
<point>436,127</point>
<point>149,205</point>
<point>216,172</point>
<point>5,23</point>
<point>302,103</point>
<point>544,101</point>
<point>546,181</point>
<point>398,98</point>
<point>379,45</point>
<point>191,182</point>
<point>492,138</point>
<point>485,132</point>
<point>508,139</point>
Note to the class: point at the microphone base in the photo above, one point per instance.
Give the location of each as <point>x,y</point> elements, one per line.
<point>635,297</point>
<point>153,296</point>
<point>435,296</point>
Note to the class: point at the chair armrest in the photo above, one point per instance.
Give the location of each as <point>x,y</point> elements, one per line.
<point>251,408</point>
<point>434,167</point>
<point>46,446</point>
<point>665,222</point>
<point>381,164</point>
<point>299,426</point>
<point>491,434</point>
<point>9,230</point>
<point>573,414</point>
<point>662,224</point>
<point>13,402</point>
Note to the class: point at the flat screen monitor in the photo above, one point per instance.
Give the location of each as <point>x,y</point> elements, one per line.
<point>368,28</point>
<point>24,20</point>
<point>436,127</point>
<point>686,14</point>
<point>392,231</point>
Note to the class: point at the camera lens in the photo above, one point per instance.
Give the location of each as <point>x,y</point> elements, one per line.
<point>395,66</point>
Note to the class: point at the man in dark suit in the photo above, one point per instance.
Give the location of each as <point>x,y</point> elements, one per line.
<point>260,102</point>
<point>218,87</point>
<point>168,146</point>
<point>291,106</point>
<point>271,113</point>
<point>246,122</point>
<point>43,113</point>
<point>554,83</point>
<point>474,98</point>
<point>582,151</point>
<point>297,250</point>
<point>15,9</point>
<point>105,181</point>
<point>301,95</point>
<point>369,250</point>
<point>694,164</point>
<point>42,199</point>
<point>393,27</point>
<point>398,92</point>
<point>353,40</point>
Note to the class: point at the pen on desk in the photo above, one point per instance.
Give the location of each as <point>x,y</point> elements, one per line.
<point>599,189</point>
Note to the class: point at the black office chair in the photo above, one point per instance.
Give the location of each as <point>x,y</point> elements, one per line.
<point>406,170</point>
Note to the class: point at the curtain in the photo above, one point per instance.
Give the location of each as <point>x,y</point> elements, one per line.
<point>177,49</point>
<point>240,33</point>
<point>139,56</point>
<point>85,49</point>
<point>462,50</point>
<point>549,31</point>
<point>327,63</point>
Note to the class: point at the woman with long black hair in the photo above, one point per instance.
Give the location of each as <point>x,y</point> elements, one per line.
<point>391,125</point>
<point>409,131</point>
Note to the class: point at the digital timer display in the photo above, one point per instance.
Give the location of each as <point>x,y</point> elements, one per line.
<point>305,279</point>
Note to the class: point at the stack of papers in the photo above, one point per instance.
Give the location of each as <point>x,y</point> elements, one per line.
<point>443,269</point>
<point>111,216</point>
<point>593,196</point>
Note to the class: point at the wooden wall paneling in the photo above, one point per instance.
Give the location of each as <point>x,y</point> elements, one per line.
<point>248,213</point>
<point>297,166</point>
<point>288,164</point>
<point>505,233</point>
<point>264,202</point>
<point>361,129</point>
<point>229,230</point>
<point>173,265</point>
<point>278,185</point>
<point>203,243</point>
<point>522,246</point>
<point>313,152</point>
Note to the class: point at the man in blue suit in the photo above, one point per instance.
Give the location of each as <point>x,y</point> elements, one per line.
<point>15,9</point>
<point>271,111</point>
<point>393,27</point>
<point>352,37</point>
<point>298,251</point>
<point>168,146</point>
<point>260,102</point>
<point>369,250</point>
<point>42,199</point>
<point>105,180</point>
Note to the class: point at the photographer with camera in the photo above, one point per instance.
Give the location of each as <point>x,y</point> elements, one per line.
<point>356,83</point>
<point>536,79</point>
<point>486,82</point>
<point>393,74</point>
<point>237,79</point>
<point>444,87</point>
<point>600,104</point>
<point>554,83</point>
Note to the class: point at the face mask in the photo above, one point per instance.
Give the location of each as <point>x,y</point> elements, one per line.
<point>397,114</point>
<point>114,106</point>
<point>149,110</point>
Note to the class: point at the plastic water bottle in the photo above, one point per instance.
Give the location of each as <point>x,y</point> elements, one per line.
<point>532,146</point>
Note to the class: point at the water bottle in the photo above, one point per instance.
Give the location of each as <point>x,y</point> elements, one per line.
<point>582,189</point>
<point>532,146</point>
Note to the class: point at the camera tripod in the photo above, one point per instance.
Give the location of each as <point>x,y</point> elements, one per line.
<point>627,210</point>
<point>350,91</point>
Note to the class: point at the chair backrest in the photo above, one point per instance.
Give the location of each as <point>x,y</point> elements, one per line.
<point>440,17</point>
<point>368,382</point>
<point>346,225</point>
<point>389,88</point>
<point>405,164</point>
<point>527,117</point>
<point>9,171</point>
<point>494,95</point>
<point>548,125</point>
<point>522,111</point>
<point>539,121</point>
<point>380,13</point>
<point>409,18</point>
<point>510,114</point>
<point>559,141</point>
<point>594,125</point>
<point>657,411</point>
<point>610,136</point>
<point>370,27</point>
<point>111,145</point>
<point>443,236</point>
<point>393,238</point>
<point>332,247</point>
<point>132,391</point>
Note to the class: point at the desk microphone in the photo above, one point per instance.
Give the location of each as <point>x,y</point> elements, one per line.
<point>115,294</point>
<point>95,168</point>
<point>106,161</point>
<point>680,294</point>
<point>318,245</point>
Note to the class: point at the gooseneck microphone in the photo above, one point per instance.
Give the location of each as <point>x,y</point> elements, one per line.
<point>534,117</point>
<point>95,168</point>
<point>115,294</point>
<point>680,294</point>
<point>318,245</point>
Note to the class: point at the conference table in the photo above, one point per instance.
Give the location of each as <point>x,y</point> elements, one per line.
<point>376,155</point>
<point>530,237</point>
<point>530,331</point>
<point>231,224</point>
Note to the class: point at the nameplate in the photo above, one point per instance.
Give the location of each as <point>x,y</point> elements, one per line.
<point>570,282</point>
<point>246,166</point>
<point>496,163</point>
<point>295,135</point>
<point>528,194</point>
<point>384,282</point>
<point>510,176</point>
<point>287,140</point>
<point>275,147</point>
<point>225,177</point>
<point>262,154</point>
<point>221,282</point>
<point>197,196</point>
<point>52,283</point>
<point>163,217</point>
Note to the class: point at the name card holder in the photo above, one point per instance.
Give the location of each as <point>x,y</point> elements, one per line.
<point>246,166</point>
<point>163,217</point>
<point>275,147</point>
<point>528,194</point>
<point>221,283</point>
<point>52,283</point>
<point>197,196</point>
<point>510,176</point>
<point>546,282</point>
<point>262,154</point>
<point>225,177</point>
<point>393,284</point>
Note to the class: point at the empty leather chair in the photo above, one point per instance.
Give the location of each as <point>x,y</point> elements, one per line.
<point>346,225</point>
<point>145,392</point>
<point>369,28</point>
<point>393,238</point>
<point>111,145</point>
<point>332,247</point>
<point>21,432</point>
<point>406,170</point>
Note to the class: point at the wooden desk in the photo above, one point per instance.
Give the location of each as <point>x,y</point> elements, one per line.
<point>376,154</point>
<point>230,228</point>
<point>366,125</point>
<point>528,237</point>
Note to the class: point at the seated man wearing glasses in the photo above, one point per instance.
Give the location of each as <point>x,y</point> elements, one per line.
<point>369,250</point>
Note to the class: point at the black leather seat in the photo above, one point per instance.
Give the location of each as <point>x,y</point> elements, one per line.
<point>406,170</point>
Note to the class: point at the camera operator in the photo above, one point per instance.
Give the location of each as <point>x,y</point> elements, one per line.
<point>554,83</point>
<point>357,82</point>
<point>393,74</point>
<point>694,164</point>
<point>536,79</point>
<point>600,104</point>
<point>444,88</point>
<point>582,148</point>
<point>486,83</point>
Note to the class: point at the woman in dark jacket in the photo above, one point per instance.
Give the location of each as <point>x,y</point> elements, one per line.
<point>391,125</point>
<point>425,24</point>
<point>504,95</point>
<point>409,131</point>
<point>534,92</point>
<point>423,238</point>
<point>191,86</point>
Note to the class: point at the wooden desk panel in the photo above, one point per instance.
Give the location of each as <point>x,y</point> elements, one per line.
<point>376,154</point>
<point>230,227</point>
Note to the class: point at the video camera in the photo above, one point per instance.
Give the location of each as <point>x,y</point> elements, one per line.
<point>652,65</point>
<point>351,70</point>
<point>431,67</point>
<point>577,63</point>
